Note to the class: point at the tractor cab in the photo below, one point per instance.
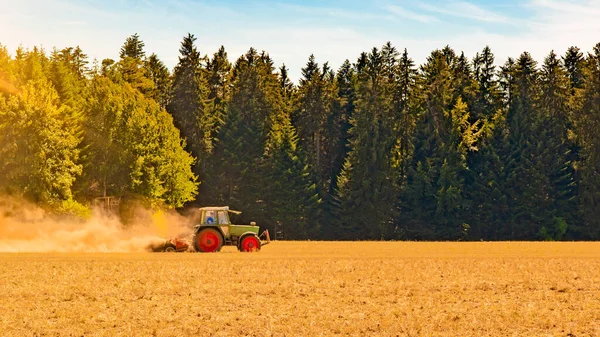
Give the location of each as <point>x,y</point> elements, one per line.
<point>216,215</point>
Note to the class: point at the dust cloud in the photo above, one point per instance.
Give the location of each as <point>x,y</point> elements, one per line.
<point>25,227</point>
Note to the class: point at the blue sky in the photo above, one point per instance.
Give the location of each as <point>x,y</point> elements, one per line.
<point>291,30</point>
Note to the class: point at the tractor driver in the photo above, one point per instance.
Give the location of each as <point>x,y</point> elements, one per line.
<point>210,217</point>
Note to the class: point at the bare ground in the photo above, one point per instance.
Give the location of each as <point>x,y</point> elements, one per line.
<point>308,289</point>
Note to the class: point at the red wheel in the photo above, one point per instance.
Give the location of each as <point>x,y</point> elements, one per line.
<point>250,243</point>
<point>208,241</point>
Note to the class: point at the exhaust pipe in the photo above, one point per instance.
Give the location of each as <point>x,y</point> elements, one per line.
<point>267,237</point>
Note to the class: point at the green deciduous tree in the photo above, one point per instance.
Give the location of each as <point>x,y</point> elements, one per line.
<point>40,156</point>
<point>133,147</point>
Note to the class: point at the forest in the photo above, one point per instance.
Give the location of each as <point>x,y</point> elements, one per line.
<point>456,148</point>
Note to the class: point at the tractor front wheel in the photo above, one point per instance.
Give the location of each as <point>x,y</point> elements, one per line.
<point>208,240</point>
<point>249,243</point>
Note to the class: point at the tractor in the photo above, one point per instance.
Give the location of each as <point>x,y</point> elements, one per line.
<point>214,231</point>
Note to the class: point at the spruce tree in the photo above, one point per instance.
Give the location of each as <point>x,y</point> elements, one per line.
<point>338,127</point>
<point>312,117</point>
<point>588,132</point>
<point>65,78</point>
<point>159,74</point>
<point>433,200</point>
<point>367,188</point>
<point>292,196</point>
<point>218,72</point>
<point>573,62</point>
<point>187,102</point>
<point>525,178</point>
<point>254,106</point>
<point>133,47</point>
<point>130,67</point>
<point>554,147</point>
<point>286,84</point>
<point>404,108</point>
<point>486,200</point>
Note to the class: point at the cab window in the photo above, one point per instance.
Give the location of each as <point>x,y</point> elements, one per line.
<point>223,218</point>
<point>209,218</point>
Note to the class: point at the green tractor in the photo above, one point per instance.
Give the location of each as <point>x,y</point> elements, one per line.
<point>215,230</point>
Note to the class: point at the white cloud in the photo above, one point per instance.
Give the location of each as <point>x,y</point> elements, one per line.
<point>407,14</point>
<point>542,26</point>
<point>465,9</point>
<point>566,7</point>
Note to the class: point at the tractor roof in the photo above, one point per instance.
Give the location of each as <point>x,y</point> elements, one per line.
<point>215,208</point>
<point>219,208</point>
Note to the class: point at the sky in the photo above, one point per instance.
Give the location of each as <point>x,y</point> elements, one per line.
<point>290,31</point>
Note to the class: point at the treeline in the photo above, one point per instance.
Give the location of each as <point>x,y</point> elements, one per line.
<point>453,149</point>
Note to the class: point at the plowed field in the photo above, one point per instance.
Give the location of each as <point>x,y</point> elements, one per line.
<point>308,289</point>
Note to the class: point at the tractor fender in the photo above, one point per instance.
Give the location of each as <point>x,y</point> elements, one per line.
<point>239,241</point>
<point>198,229</point>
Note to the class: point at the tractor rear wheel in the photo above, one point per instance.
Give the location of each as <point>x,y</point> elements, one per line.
<point>249,243</point>
<point>208,240</point>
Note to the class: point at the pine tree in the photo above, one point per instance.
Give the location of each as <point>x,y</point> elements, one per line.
<point>573,62</point>
<point>488,95</point>
<point>403,105</point>
<point>286,84</point>
<point>131,66</point>
<point>218,71</point>
<point>465,84</point>
<point>187,103</point>
<point>367,189</point>
<point>338,126</point>
<point>486,200</point>
<point>554,147</point>
<point>485,188</point>
<point>588,132</point>
<point>312,118</point>
<point>293,197</point>
<point>159,74</point>
<point>254,106</point>
<point>133,47</point>
<point>530,165</point>
<point>433,200</point>
<point>30,65</point>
